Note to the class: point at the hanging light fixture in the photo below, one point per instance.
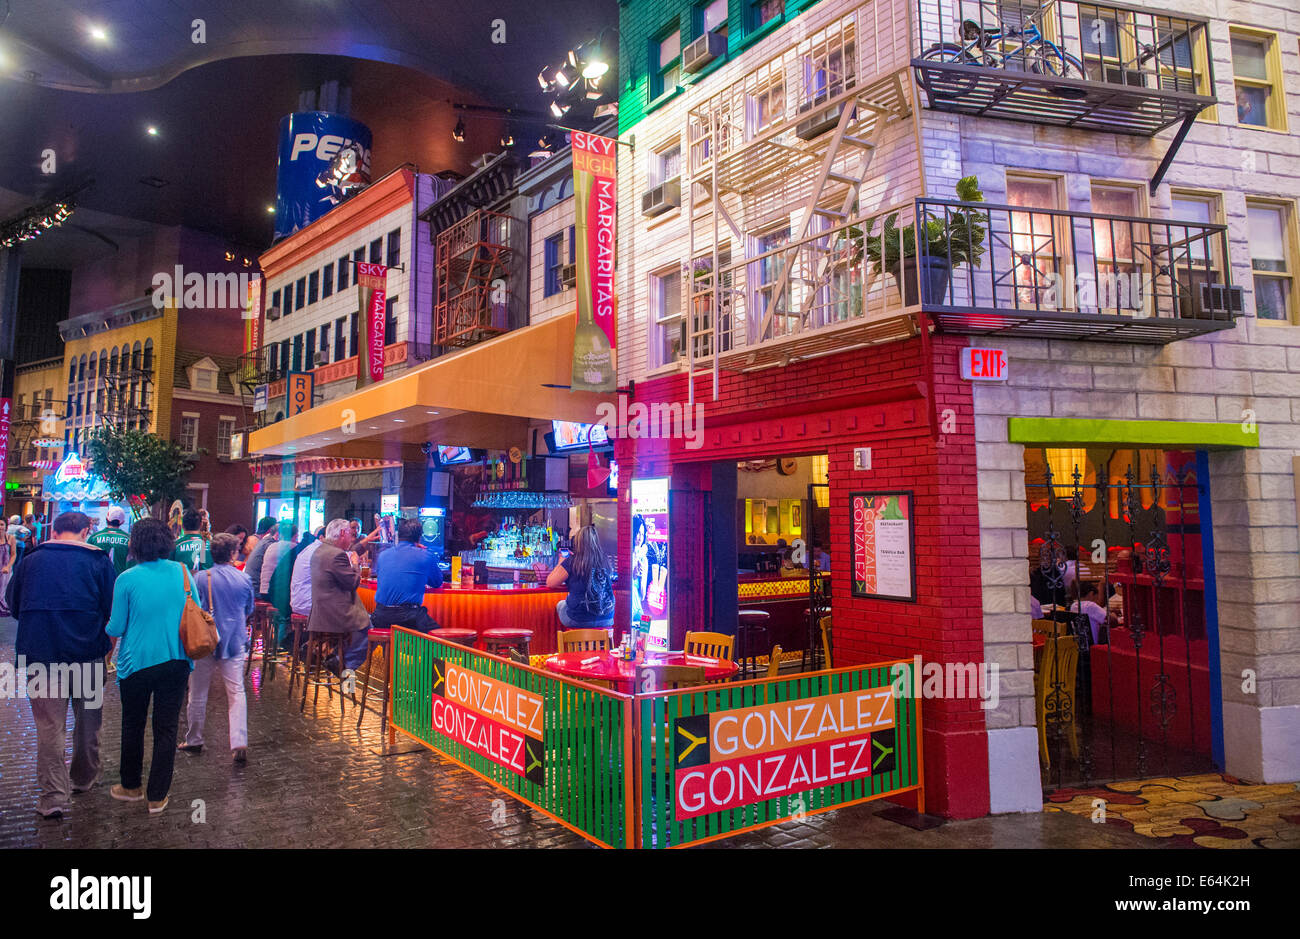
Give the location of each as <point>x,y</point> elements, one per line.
<point>1062,463</point>
<point>458,132</point>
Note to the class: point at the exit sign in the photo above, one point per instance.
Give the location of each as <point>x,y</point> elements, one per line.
<point>984,364</point>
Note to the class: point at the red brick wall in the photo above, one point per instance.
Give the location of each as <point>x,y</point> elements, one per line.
<point>877,397</point>
<point>230,487</point>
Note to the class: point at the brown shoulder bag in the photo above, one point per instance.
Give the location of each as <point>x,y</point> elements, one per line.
<point>198,628</point>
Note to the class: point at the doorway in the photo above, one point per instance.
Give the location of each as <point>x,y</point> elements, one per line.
<point>1125,648</point>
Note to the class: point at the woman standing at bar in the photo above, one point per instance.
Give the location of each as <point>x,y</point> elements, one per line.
<point>590,601</point>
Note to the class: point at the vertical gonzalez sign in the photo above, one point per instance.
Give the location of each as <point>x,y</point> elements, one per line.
<point>372,285</point>
<point>595,190</point>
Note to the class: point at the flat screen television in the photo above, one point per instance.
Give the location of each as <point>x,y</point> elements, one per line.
<point>566,436</point>
<point>453,456</point>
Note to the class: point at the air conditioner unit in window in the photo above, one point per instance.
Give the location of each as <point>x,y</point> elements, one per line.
<point>818,122</point>
<point>568,276</point>
<point>322,358</point>
<point>703,51</point>
<point>1219,299</point>
<point>273,313</point>
<point>662,198</point>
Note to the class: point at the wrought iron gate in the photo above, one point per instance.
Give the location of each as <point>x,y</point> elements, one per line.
<point>1124,699</point>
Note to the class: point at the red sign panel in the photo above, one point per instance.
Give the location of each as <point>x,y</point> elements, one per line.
<point>4,438</point>
<point>372,281</point>
<point>595,191</point>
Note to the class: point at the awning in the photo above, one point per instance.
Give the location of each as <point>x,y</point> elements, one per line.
<point>87,488</point>
<point>483,396</point>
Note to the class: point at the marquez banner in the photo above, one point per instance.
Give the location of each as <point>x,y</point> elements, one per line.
<point>372,285</point>
<point>595,187</point>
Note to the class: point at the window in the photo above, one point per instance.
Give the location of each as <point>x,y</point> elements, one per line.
<point>297,352</point>
<point>285,363</point>
<point>1272,259</point>
<point>390,321</point>
<point>344,266</point>
<point>1257,74</point>
<point>1036,239</point>
<point>275,299</point>
<point>669,327</point>
<point>272,358</point>
<point>376,250</point>
<point>553,249</point>
<point>148,357</point>
<point>189,433</point>
<point>394,257</point>
<point>327,281</point>
<point>573,243</point>
<point>766,106</point>
<point>1202,260</point>
<point>205,379</point>
<point>665,165</point>
<point>225,430</point>
<point>765,274</point>
<point>359,257</point>
<point>310,360</point>
<point>665,64</point>
<point>300,294</point>
<point>340,341</point>
<point>711,18</point>
<point>702,302</point>
<point>352,335</point>
<point>762,12</point>
<point>313,287</point>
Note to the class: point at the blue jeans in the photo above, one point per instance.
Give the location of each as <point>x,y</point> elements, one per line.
<point>355,647</point>
<point>562,610</point>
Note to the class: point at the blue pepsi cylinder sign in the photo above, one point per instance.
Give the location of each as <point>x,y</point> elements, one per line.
<point>324,158</point>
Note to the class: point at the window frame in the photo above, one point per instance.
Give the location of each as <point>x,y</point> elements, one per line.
<point>187,446</point>
<point>1290,247</point>
<point>657,71</point>
<point>661,320</point>
<point>393,249</point>
<point>225,433</point>
<point>552,261</point>
<point>1274,80</point>
<point>327,282</point>
<point>698,24</point>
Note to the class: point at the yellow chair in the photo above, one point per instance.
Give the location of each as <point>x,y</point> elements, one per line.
<point>825,623</point>
<point>774,662</point>
<point>713,645</point>
<point>650,678</point>
<point>1054,697</point>
<point>584,640</point>
<point>1050,627</point>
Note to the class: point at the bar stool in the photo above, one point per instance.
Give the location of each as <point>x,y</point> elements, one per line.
<point>500,640</point>
<point>263,627</point>
<point>751,636</point>
<point>381,639</point>
<point>319,646</point>
<point>461,637</point>
<point>298,626</point>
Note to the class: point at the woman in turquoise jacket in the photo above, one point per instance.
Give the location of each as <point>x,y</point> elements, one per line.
<point>151,662</point>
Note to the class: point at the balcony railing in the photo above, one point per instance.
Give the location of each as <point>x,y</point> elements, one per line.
<point>1098,66</point>
<point>474,266</point>
<point>1024,271</point>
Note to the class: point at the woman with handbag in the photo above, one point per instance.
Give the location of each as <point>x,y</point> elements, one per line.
<point>227,594</point>
<point>149,605</point>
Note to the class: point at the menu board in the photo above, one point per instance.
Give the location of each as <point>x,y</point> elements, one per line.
<point>881,536</point>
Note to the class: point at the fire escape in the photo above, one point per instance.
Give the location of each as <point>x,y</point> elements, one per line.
<point>125,395</point>
<point>782,163</point>
<point>473,276</point>
<point>255,369</point>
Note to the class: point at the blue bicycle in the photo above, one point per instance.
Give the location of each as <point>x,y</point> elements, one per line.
<point>1025,49</point>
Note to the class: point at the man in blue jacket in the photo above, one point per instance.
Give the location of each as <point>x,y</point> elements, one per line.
<point>62,594</point>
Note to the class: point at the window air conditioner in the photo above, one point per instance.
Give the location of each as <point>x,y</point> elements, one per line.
<point>662,198</point>
<point>568,276</point>
<point>703,51</point>
<point>273,313</point>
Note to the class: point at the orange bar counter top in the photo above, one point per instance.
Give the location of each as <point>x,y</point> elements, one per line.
<point>488,607</point>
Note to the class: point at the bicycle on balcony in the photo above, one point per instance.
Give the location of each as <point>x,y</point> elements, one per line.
<point>1006,47</point>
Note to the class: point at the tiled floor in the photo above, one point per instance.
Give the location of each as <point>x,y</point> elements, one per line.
<point>1210,810</point>
<point>315,780</point>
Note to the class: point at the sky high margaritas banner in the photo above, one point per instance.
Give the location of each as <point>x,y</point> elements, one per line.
<point>595,188</point>
<point>372,285</point>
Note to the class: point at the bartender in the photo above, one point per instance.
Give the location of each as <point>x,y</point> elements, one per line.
<point>402,574</point>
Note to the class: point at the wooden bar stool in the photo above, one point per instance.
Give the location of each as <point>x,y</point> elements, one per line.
<point>298,627</point>
<point>500,640</point>
<point>751,640</point>
<point>319,647</point>
<point>264,615</point>
<point>381,639</point>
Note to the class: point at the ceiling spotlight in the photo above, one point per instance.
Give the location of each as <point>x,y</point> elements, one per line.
<point>230,255</point>
<point>99,34</point>
<point>573,58</point>
<point>596,66</point>
<point>151,130</point>
<point>507,141</point>
<point>563,78</point>
<point>543,80</point>
<point>270,210</point>
<point>559,110</point>
<point>593,91</point>
<point>458,132</point>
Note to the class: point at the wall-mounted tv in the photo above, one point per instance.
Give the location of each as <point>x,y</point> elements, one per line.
<point>454,456</point>
<point>566,436</point>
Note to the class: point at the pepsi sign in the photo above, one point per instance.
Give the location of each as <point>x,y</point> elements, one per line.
<point>323,159</point>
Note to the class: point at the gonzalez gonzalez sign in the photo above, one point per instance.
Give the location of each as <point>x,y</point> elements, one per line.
<point>493,719</point>
<point>736,757</point>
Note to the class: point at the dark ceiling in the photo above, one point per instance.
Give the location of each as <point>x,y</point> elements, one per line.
<point>217,106</point>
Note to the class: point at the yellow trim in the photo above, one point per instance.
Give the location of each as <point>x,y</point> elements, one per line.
<point>1289,232</point>
<point>1277,120</point>
<point>505,377</point>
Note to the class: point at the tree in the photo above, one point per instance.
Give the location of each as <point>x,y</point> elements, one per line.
<point>138,463</point>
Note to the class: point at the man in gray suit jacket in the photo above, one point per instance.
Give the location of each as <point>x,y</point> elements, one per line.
<point>334,604</point>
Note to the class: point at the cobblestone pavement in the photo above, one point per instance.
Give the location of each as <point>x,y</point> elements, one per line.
<point>314,780</point>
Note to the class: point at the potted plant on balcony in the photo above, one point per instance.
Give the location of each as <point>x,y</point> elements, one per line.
<point>950,241</point>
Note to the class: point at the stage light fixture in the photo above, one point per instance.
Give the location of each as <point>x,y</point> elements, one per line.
<point>458,133</point>
<point>559,110</point>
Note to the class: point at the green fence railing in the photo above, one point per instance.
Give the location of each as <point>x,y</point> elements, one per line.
<point>559,745</point>
<point>721,759</point>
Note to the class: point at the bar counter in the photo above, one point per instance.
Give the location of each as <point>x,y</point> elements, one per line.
<point>486,607</point>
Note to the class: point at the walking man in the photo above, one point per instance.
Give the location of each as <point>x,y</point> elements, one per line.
<point>191,547</point>
<point>112,539</point>
<point>62,595</point>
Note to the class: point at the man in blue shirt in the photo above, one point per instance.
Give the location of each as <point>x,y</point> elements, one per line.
<point>403,572</point>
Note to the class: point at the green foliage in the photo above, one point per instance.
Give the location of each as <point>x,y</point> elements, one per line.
<point>959,237</point>
<point>138,463</point>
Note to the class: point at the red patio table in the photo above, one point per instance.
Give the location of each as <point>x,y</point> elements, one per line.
<point>603,666</point>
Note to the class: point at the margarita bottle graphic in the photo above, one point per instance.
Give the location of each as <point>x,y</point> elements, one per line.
<point>591,346</point>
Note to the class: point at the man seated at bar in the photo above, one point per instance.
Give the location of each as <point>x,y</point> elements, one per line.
<point>334,604</point>
<point>403,572</point>
<point>287,541</point>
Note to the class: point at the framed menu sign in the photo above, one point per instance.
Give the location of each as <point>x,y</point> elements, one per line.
<point>882,538</point>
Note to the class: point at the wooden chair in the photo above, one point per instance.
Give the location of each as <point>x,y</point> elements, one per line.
<point>1048,627</point>
<point>1054,698</point>
<point>584,640</point>
<point>713,645</point>
<point>667,677</point>
<point>825,624</point>
<point>774,662</point>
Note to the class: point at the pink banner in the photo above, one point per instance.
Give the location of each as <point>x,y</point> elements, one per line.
<point>372,282</point>
<point>595,190</point>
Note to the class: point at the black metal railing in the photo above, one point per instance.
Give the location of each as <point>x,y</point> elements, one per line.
<point>1027,268</point>
<point>1096,65</point>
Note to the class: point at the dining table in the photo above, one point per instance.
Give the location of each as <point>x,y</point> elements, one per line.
<point>621,674</point>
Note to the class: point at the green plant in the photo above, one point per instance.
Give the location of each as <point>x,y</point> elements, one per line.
<point>958,237</point>
<point>138,463</point>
